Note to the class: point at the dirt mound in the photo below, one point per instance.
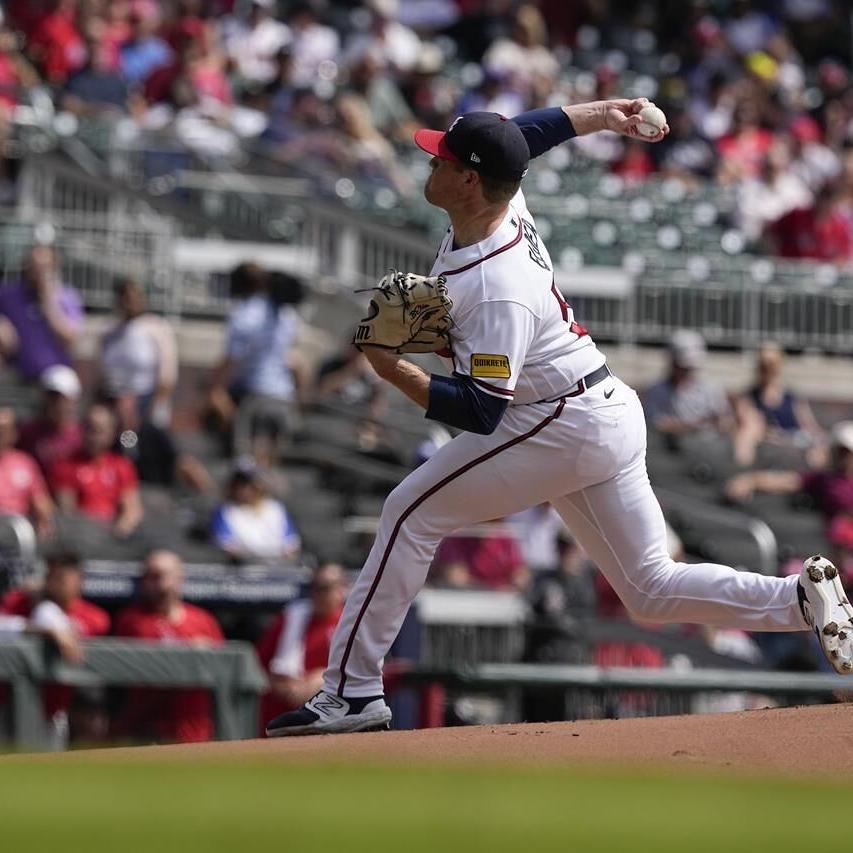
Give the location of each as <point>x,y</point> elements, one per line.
<point>791,740</point>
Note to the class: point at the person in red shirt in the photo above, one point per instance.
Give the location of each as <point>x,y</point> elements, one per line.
<point>22,488</point>
<point>486,557</point>
<point>56,434</point>
<point>98,482</point>
<point>160,616</point>
<point>821,232</point>
<point>58,610</point>
<point>294,650</point>
<point>56,44</point>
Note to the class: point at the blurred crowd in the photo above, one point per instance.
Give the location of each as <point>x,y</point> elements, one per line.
<point>759,98</point>
<point>100,464</point>
<point>758,94</point>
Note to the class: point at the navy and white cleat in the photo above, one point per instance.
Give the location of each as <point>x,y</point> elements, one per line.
<point>827,610</point>
<point>325,714</point>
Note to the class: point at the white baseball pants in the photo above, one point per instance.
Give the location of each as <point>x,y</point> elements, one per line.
<point>587,456</point>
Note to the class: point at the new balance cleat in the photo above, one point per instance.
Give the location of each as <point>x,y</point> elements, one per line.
<point>326,713</point>
<point>828,612</point>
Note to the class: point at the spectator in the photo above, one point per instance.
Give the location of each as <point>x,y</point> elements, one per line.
<point>56,433</point>
<point>144,51</point>
<point>538,531</point>
<point>369,152</point>
<point>250,525</point>
<point>139,357</point>
<point>766,198</point>
<point>161,616</point>
<point>40,318</point>
<point>154,454</point>
<point>389,114</point>
<point>22,487</point>
<point>58,611</point>
<point>257,371</point>
<point>567,592</point>
<point>314,44</point>
<point>830,489</point>
<point>821,232</point>
<point>348,379</point>
<point>186,23</point>
<point>253,44</point>
<point>685,402</point>
<point>524,54</point>
<point>386,37</point>
<point>98,88</point>
<point>494,93</point>
<point>742,152</point>
<point>486,556</point>
<point>97,481</point>
<point>197,60</point>
<point>294,650</point>
<point>63,590</point>
<point>770,412</point>
<point>56,44</point>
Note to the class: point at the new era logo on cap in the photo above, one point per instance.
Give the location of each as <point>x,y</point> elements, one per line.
<point>494,145</point>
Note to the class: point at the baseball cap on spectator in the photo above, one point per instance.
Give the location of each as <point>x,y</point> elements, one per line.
<point>687,349</point>
<point>842,435</point>
<point>61,379</point>
<point>486,142</point>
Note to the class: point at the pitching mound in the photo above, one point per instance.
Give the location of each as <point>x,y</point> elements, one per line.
<point>790,740</point>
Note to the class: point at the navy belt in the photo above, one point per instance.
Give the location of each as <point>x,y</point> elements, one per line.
<point>584,384</point>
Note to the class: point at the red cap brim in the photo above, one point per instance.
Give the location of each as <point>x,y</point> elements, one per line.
<point>432,141</point>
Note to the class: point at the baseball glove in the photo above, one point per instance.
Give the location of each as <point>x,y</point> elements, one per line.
<point>409,313</point>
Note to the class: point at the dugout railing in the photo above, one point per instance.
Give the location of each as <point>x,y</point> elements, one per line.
<point>594,692</point>
<point>231,672</point>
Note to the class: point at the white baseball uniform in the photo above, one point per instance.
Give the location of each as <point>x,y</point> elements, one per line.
<point>581,448</point>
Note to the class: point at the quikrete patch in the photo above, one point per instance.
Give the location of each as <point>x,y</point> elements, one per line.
<point>489,366</point>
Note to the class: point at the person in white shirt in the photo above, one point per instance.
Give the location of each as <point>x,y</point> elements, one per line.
<point>254,385</point>
<point>253,44</point>
<point>139,356</point>
<point>250,525</point>
<point>313,44</point>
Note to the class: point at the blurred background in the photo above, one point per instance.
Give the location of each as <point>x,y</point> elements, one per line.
<point>194,458</point>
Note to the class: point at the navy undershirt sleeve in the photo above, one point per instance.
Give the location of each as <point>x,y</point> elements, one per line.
<point>545,128</point>
<point>457,402</point>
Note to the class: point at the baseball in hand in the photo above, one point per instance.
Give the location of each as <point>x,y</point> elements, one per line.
<point>653,121</point>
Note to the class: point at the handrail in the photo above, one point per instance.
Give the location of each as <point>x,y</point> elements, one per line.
<point>509,676</point>
<point>231,671</point>
<point>756,529</point>
<point>24,534</point>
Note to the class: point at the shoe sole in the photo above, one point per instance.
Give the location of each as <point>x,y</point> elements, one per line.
<point>831,597</point>
<point>379,721</point>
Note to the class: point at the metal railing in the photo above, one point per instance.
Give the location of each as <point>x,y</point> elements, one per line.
<point>590,692</point>
<point>729,526</point>
<point>231,672</point>
<point>630,296</point>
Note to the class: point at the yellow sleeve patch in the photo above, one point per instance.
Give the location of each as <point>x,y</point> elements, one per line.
<point>489,366</point>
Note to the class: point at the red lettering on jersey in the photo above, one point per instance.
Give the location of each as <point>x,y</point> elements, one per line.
<point>564,306</point>
<point>575,327</point>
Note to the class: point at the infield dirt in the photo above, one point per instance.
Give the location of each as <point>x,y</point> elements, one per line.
<point>796,741</point>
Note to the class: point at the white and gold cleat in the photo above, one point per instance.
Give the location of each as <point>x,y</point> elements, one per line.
<point>827,610</point>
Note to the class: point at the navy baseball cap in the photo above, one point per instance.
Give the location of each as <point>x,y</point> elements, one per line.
<point>486,142</point>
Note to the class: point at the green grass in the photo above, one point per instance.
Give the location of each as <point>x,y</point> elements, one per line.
<point>65,807</point>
